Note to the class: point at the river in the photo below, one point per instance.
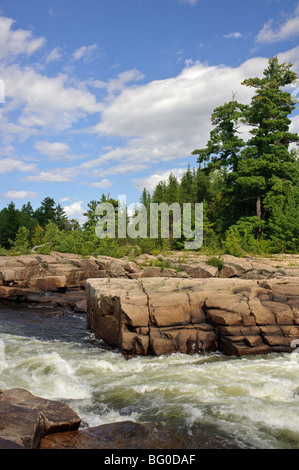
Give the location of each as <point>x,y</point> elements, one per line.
<point>254,400</point>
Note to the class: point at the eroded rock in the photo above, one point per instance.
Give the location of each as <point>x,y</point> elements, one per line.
<point>165,315</point>
<point>25,418</point>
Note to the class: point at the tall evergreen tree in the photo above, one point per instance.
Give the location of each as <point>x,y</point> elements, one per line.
<point>60,217</point>
<point>9,224</point>
<point>266,160</point>
<point>46,212</point>
<point>254,168</point>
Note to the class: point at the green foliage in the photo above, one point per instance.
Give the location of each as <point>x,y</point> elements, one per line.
<point>232,242</point>
<point>21,242</point>
<point>216,262</point>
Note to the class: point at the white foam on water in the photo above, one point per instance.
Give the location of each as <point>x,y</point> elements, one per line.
<point>3,363</point>
<point>255,399</point>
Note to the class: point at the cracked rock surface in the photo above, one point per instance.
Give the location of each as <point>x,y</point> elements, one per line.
<point>160,316</point>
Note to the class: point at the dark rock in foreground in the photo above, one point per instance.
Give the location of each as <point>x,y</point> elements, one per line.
<point>30,422</point>
<point>25,419</point>
<point>131,435</point>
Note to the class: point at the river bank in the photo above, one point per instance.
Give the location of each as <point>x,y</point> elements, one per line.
<point>223,402</point>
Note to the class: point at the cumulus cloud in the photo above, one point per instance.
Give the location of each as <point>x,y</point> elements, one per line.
<point>16,42</point>
<point>101,184</point>
<point>120,82</point>
<point>273,33</point>
<point>20,195</point>
<point>168,119</point>
<point>36,100</point>
<point>56,175</point>
<point>45,102</point>
<point>151,181</point>
<point>74,210</point>
<point>57,151</point>
<point>13,164</point>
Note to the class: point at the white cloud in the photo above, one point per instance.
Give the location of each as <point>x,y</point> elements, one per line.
<point>56,151</point>
<point>12,164</point>
<point>151,181</point>
<point>101,184</point>
<point>117,84</point>
<point>16,42</point>
<point>44,102</point>
<point>86,53</point>
<point>20,195</point>
<point>168,119</point>
<point>189,2</point>
<point>57,175</point>
<point>294,126</point>
<point>54,55</point>
<point>292,56</point>
<point>271,33</point>
<point>120,169</point>
<point>235,35</point>
<point>75,211</point>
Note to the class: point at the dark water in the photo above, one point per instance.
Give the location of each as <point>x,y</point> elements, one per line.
<point>252,402</point>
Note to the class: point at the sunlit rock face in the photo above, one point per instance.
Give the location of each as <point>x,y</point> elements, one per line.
<point>158,316</point>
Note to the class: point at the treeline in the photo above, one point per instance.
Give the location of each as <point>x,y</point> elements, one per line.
<point>48,229</point>
<point>249,189</point>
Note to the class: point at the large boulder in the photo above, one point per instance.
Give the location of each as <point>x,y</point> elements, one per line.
<point>165,315</point>
<point>25,419</point>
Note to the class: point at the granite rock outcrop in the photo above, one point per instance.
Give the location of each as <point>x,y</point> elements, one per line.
<point>160,316</point>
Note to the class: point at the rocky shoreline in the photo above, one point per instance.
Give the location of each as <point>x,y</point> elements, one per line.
<point>152,305</point>
<point>163,304</point>
<point>59,279</point>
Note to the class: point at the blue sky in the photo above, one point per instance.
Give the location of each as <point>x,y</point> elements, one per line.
<point>110,96</point>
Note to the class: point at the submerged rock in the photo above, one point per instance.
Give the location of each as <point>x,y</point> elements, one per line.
<point>131,435</point>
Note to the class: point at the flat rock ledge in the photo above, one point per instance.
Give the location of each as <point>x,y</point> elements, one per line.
<point>31,422</point>
<point>59,279</point>
<point>159,316</point>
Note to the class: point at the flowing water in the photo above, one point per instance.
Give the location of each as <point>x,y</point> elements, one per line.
<point>254,400</point>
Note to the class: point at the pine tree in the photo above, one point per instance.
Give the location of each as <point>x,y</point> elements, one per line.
<point>60,217</point>
<point>266,160</point>
<point>253,169</point>
<point>9,224</point>
<point>46,212</point>
<point>224,145</point>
